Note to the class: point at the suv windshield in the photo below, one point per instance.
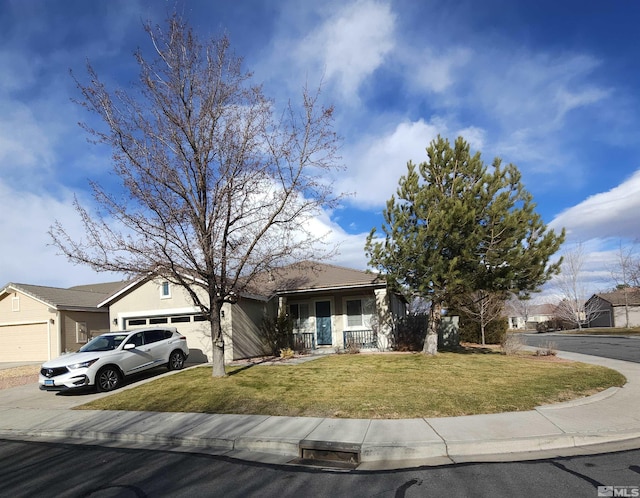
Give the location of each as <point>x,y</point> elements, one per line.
<point>103,343</point>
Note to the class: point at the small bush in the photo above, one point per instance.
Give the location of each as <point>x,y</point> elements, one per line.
<point>287,353</point>
<point>351,347</point>
<point>511,344</point>
<point>548,350</point>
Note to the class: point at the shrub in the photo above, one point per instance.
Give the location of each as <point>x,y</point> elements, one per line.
<point>494,332</point>
<point>277,333</point>
<point>548,350</point>
<point>511,344</point>
<point>409,333</point>
<point>287,353</point>
<point>352,347</point>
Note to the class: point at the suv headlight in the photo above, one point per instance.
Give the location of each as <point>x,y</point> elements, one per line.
<point>84,364</point>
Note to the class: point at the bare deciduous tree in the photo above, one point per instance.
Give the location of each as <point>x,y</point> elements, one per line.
<point>216,186</point>
<point>482,307</point>
<point>624,273</point>
<point>574,306</point>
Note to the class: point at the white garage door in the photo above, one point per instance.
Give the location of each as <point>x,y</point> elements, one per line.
<point>24,342</point>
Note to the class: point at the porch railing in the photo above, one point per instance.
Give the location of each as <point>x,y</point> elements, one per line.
<point>363,339</point>
<point>304,340</point>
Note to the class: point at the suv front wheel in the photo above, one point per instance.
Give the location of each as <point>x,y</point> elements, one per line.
<point>108,379</point>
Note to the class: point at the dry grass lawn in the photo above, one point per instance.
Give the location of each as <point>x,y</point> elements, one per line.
<point>390,385</point>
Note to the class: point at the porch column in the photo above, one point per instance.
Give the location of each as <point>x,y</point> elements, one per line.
<point>385,321</point>
<point>282,305</point>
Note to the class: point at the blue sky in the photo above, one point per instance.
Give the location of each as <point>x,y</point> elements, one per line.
<point>548,86</point>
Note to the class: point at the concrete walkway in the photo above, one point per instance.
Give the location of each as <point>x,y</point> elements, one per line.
<point>607,421</point>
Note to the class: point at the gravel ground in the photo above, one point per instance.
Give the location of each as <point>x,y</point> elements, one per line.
<point>18,376</point>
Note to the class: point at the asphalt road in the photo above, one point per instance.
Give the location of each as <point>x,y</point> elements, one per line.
<point>31,469</point>
<point>625,348</point>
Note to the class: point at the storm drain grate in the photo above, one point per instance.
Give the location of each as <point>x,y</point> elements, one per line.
<point>328,454</point>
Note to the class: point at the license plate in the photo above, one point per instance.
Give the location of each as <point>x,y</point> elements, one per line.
<point>49,383</point>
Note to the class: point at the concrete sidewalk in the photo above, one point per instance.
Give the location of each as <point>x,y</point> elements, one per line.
<point>607,421</point>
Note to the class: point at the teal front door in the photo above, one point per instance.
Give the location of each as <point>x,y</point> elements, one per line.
<point>323,323</point>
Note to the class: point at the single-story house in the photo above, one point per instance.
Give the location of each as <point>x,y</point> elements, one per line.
<point>537,313</point>
<point>609,309</point>
<point>330,306</point>
<point>335,306</point>
<point>38,323</point>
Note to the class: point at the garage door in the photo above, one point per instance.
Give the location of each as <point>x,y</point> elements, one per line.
<point>24,342</point>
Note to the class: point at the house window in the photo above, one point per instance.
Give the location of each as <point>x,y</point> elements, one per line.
<point>359,312</point>
<point>299,314</point>
<point>165,290</point>
<point>15,303</point>
<point>158,319</point>
<point>81,332</point>
<point>354,313</point>
<point>136,321</point>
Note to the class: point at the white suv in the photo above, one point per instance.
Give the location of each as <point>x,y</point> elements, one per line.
<point>107,359</point>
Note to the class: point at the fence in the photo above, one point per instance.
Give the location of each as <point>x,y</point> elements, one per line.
<point>304,340</point>
<point>364,339</point>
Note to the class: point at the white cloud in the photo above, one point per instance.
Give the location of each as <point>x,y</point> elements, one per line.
<point>26,255</point>
<point>434,71</point>
<point>612,214</point>
<point>23,142</point>
<point>376,163</point>
<point>350,44</point>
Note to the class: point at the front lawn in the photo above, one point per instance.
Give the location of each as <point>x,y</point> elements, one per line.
<point>390,385</point>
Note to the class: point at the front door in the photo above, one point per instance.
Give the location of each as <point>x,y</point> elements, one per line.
<point>323,323</point>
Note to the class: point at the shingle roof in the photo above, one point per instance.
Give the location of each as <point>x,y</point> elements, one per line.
<point>617,298</point>
<point>309,276</point>
<point>79,297</point>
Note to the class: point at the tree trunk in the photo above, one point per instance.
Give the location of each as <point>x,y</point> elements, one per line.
<point>217,341</point>
<point>431,341</point>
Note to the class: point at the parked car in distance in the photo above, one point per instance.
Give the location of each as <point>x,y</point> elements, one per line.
<point>107,359</point>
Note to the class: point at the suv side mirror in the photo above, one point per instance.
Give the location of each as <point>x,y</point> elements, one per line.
<point>129,345</point>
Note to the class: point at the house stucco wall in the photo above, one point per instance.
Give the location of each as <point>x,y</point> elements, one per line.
<point>246,318</point>
<point>96,323</point>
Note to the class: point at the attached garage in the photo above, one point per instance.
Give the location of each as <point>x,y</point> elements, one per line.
<point>26,342</point>
<point>39,323</point>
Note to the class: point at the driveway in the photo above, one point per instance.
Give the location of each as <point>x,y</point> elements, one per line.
<point>30,395</point>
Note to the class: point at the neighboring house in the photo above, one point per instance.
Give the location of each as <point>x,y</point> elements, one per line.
<point>610,309</point>
<point>330,306</point>
<point>40,323</point>
<point>537,313</point>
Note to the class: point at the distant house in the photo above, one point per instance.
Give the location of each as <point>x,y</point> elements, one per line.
<point>610,309</point>
<point>536,313</point>
<point>39,323</point>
